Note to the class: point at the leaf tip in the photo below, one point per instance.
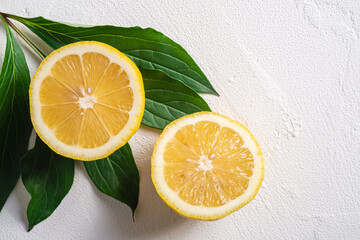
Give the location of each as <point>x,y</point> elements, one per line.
<point>133,213</point>
<point>209,91</point>
<point>30,227</point>
<point>133,208</point>
<point>215,92</point>
<point>2,203</point>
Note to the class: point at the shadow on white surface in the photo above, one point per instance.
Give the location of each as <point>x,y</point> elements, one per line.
<point>152,216</point>
<point>20,198</point>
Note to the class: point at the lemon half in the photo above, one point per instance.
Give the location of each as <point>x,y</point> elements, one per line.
<point>206,166</point>
<point>86,100</point>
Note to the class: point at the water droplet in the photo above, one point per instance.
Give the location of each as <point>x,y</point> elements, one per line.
<point>212,156</point>
<point>89,90</point>
<point>81,113</point>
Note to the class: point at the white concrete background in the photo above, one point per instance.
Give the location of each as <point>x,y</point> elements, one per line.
<point>288,70</point>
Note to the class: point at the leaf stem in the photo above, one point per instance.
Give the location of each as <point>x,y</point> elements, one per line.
<point>27,40</point>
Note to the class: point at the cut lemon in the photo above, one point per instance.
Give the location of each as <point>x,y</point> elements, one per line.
<point>206,166</point>
<point>86,100</point>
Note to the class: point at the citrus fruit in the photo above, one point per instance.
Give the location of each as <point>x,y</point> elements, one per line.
<point>205,166</point>
<point>86,100</point>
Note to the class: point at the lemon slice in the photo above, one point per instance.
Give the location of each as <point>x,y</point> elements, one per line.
<point>206,166</point>
<point>86,100</point>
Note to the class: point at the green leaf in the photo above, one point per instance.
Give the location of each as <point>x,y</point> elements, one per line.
<point>167,99</point>
<point>48,177</point>
<point>117,176</point>
<point>148,48</point>
<point>15,124</point>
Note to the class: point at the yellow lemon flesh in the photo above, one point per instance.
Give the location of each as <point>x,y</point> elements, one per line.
<point>86,100</point>
<point>206,166</point>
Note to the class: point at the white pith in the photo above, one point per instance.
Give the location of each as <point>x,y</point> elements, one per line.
<point>86,102</point>
<point>204,164</point>
<point>203,212</point>
<point>135,113</point>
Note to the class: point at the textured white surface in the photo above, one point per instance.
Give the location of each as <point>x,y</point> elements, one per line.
<point>288,70</point>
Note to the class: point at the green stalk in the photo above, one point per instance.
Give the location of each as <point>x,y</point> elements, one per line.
<point>27,40</point>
